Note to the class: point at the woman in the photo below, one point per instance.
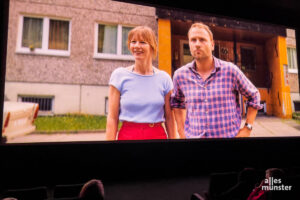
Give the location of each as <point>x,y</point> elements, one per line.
<point>139,95</point>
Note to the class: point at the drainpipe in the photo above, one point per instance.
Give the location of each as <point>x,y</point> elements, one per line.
<point>80,94</point>
<point>234,50</point>
<point>297,34</point>
<point>239,96</point>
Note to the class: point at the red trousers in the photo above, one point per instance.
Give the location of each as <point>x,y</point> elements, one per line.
<point>141,131</point>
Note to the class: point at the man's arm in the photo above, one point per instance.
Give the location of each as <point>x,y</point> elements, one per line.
<point>178,105</point>
<point>180,115</point>
<point>251,114</point>
<point>247,89</point>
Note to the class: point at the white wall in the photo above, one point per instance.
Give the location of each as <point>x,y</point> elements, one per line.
<point>67,98</point>
<point>93,99</point>
<point>294,97</point>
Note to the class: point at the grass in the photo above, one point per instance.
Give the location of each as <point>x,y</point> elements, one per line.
<point>70,123</point>
<point>296,116</point>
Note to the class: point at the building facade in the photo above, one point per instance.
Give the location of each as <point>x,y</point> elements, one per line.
<point>61,52</point>
<point>293,79</point>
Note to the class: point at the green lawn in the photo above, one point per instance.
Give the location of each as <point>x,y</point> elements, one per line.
<point>70,122</point>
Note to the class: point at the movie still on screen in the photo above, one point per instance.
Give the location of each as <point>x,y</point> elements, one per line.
<point>95,71</point>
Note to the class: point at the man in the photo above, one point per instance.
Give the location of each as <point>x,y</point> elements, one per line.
<point>205,93</point>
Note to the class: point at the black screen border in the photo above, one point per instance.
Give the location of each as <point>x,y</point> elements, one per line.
<point>140,159</point>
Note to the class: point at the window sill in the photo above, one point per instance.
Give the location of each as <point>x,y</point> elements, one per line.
<point>293,71</point>
<point>44,52</point>
<point>114,57</point>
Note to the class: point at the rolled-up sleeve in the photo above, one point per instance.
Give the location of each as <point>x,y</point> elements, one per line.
<point>247,89</point>
<point>177,97</point>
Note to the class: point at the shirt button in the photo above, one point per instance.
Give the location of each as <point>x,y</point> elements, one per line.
<point>206,112</point>
<point>205,100</point>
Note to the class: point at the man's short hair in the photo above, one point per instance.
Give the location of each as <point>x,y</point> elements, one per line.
<point>201,25</point>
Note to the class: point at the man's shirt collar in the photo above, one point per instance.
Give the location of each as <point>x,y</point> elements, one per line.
<point>217,67</point>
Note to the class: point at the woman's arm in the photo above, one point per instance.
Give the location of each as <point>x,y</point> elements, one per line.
<point>170,121</point>
<point>113,113</point>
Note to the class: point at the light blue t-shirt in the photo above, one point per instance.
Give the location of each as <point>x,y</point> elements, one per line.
<point>142,96</point>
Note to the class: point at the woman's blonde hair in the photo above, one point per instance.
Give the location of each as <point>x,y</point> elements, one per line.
<point>145,33</point>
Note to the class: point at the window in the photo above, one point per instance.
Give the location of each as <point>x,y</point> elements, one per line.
<point>111,42</point>
<point>107,39</point>
<point>185,54</point>
<point>45,103</point>
<point>292,60</point>
<point>58,35</point>
<point>248,58</point>
<point>297,106</point>
<point>32,32</point>
<point>216,52</point>
<point>44,36</point>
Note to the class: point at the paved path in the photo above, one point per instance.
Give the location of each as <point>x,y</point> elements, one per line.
<point>264,126</point>
<point>59,137</point>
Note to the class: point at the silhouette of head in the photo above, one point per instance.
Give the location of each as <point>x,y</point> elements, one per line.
<point>92,190</point>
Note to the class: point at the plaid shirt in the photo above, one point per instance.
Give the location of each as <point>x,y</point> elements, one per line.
<point>212,105</point>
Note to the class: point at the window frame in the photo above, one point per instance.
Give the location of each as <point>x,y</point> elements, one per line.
<point>108,56</point>
<point>45,38</point>
<point>294,71</point>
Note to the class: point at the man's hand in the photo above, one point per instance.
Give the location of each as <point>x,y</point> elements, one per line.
<point>180,115</point>
<point>244,132</point>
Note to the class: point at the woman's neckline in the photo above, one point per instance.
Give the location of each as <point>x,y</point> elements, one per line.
<point>131,68</point>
